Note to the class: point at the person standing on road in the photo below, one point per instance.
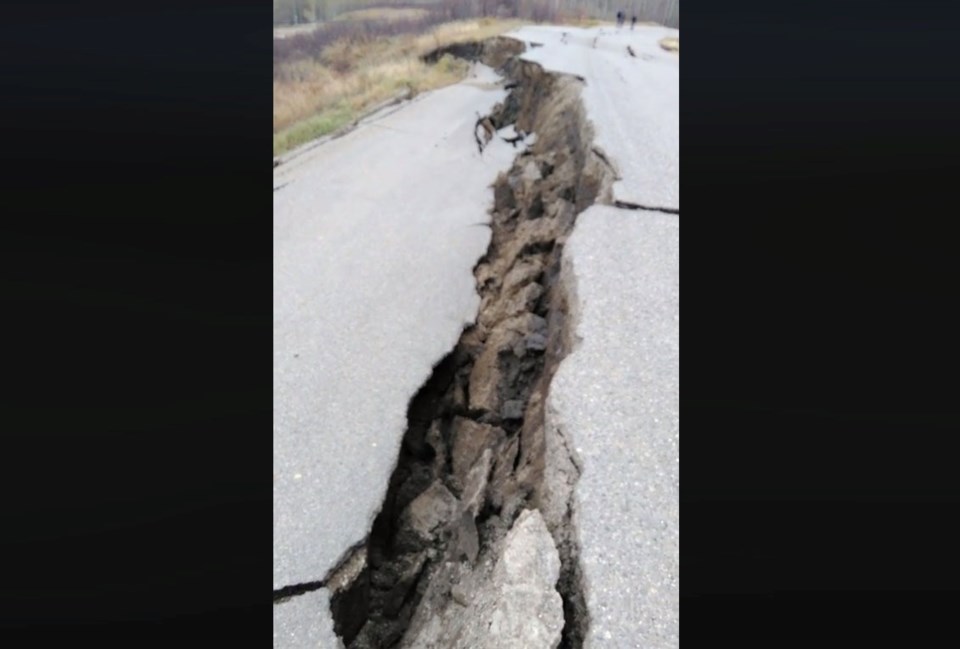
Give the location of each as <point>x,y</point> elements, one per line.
<point>633,23</point>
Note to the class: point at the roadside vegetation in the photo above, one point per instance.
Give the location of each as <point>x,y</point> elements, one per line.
<point>328,78</point>
<point>335,60</point>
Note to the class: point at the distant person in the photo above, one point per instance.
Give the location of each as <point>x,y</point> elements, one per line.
<point>633,23</point>
<point>619,18</point>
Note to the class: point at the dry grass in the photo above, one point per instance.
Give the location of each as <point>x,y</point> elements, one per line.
<point>584,22</point>
<point>671,44</point>
<point>467,30</point>
<point>384,13</point>
<point>285,31</point>
<point>315,96</point>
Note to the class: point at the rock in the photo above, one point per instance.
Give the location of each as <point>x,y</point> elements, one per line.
<point>516,605</point>
<point>510,302</point>
<point>459,397</point>
<point>343,577</point>
<point>420,474</point>
<point>431,511</point>
<point>486,374</point>
<point>535,232</point>
<point>502,483</point>
<point>467,543</point>
<point>523,300</point>
<point>528,610</point>
<point>485,276</point>
<point>409,570</point>
<point>529,553</point>
<point>513,500</point>
<point>470,439</point>
<point>531,323</point>
<point>434,438</point>
<point>523,272</point>
<point>484,379</point>
<point>472,340</point>
<point>460,595</point>
<point>530,174</point>
<point>536,342</point>
<point>487,317</point>
<point>530,464</point>
<point>475,484</point>
<point>565,214</point>
<point>512,410</point>
<point>503,197</point>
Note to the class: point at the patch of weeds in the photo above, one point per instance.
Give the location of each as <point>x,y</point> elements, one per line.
<point>323,123</point>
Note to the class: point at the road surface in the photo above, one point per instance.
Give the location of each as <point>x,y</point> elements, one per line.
<point>375,236</point>
<point>618,394</point>
<point>633,101</point>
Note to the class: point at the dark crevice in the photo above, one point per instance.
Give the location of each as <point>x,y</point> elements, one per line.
<point>634,206</point>
<point>281,595</point>
<point>474,453</point>
<point>537,247</point>
<point>603,157</point>
<point>492,51</point>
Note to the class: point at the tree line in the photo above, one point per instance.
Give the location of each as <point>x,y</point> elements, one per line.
<point>666,12</point>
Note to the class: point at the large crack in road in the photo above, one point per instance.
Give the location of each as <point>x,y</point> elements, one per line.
<point>483,483</point>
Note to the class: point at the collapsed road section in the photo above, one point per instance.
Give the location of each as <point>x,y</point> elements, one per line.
<point>476,541</point>
<point>375,239</point>
<point>473,537</point>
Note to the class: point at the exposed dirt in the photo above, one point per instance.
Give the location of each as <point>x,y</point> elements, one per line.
<point>477,450</point>
<point>494,52</point>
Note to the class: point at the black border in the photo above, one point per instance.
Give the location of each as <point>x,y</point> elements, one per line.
<point>137,252</point>
<point>819,408</point>
<point>820,346</point>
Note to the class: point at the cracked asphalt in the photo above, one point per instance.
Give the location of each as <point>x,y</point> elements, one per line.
<point>617,394</point>
<point>372,287</point>
<point>375,238</point>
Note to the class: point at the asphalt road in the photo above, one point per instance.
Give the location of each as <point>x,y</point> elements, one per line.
<point>375,238</point>
<point>633,102</point>
<point>617,395</point>
<point>304,622</point>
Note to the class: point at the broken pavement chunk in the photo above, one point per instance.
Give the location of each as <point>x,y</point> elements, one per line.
<point>431,511</point>
<point>514,606</point>
<point>512,410</point>
<point>469,441</point>
<point>467,538</point>
<point>536,342</point>
<point>528,609</point>
<point>475,485</point>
